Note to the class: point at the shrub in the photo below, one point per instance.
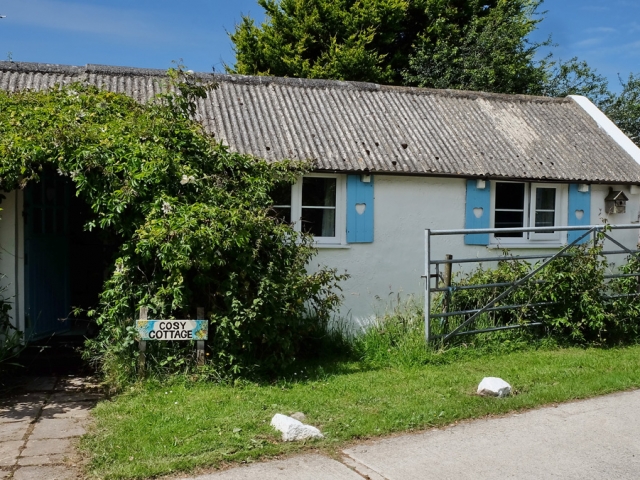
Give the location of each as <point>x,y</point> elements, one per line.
<point>460,299</point>
<point>192,218</point>
<point>579,304</point>
<point>576,284</point>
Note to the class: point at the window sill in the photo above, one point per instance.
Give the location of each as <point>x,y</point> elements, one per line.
<point>332,246</point>
<point>525,246</point>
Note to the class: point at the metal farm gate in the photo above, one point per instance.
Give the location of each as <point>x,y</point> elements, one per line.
<point>440,270</point>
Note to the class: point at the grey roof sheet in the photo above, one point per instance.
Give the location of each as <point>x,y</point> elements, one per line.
<point>350,126</point>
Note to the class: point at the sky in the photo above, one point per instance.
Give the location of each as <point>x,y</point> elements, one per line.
<point>152,34</point>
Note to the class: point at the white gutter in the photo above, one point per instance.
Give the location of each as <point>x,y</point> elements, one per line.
<point>608,126</point>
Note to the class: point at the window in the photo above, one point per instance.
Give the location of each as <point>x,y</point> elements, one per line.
<point>543,211</point>
<point>509,210</point>
<point>314,205</point>
<point>319,206</point>
<point>518,204</point>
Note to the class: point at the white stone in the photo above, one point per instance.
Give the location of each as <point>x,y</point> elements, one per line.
<point>292,429</point>
<point>494,387</point>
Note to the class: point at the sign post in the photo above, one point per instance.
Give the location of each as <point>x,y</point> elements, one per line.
<point>142,344</point>
<point>200,343</point>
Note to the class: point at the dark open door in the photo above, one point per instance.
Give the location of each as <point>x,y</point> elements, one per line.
<point>47,256</point>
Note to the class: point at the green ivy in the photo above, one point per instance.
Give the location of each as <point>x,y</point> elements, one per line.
<point>193,221</point>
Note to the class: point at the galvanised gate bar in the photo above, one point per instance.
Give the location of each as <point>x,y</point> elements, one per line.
<point>433,271</point>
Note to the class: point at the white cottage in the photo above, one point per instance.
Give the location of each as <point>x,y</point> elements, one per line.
<point>389,163</point>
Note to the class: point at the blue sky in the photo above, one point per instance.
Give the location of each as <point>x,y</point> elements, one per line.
<point>148,33</point>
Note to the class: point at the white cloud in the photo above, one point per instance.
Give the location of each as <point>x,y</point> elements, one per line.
<point>595,8</point>
<point>117,24</point>
<point>601,30</point>
<point>589,42</point>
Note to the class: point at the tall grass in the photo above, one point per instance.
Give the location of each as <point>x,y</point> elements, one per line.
<point>396,338</point>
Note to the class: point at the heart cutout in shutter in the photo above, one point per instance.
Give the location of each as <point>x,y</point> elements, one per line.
<point>478,211</point>
<point>579,214</point>
<point>360,208</point>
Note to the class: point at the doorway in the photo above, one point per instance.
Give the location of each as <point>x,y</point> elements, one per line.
<point>65,265</point>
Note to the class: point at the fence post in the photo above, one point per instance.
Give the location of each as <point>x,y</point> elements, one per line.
<point>142,345</point>
<point>200,356</point>
<point>447,281</point>
<point>427,277</point>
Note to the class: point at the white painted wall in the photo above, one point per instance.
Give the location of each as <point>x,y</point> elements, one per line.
<point>394,263</point>
<point>380,271</point>
<point>12,255</point>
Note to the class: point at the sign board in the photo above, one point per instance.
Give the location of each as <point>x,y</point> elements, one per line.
<point>173,329</point>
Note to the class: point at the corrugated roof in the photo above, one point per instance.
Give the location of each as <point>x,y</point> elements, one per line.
<point>350,126</point>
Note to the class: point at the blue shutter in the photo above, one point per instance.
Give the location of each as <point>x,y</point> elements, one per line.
<point>579,205</point>
<point>477,212</point>
<point>359,210</point>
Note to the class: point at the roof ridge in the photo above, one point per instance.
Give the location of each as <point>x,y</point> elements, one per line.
<point>269,80</point>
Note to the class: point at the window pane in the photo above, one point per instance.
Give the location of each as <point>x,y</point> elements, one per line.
<point>510,196</point>
<point>545,219</point>
<point>319,222</point>
<point>545,199</point>
<point>318,192</point>
<point>283,213</point>
<point>509,220</point>
<point>281,195</point>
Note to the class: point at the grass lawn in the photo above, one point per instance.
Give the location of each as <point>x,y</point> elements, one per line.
<point>155,430</point>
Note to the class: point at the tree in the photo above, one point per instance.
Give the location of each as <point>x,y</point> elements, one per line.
<point>338,39</point>
<point>575,77</point>
<point>470,44</point>
<point>624,108</point>
<point>487,50</point>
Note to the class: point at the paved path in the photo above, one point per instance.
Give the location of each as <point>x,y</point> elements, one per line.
<point>592,439</point>
<point>39,425</point>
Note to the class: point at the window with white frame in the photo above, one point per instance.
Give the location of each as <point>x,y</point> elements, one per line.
<point>314,205</point>
<point>520,204</point>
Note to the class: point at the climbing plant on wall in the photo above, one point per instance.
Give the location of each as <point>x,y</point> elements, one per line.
<point>193,220</point>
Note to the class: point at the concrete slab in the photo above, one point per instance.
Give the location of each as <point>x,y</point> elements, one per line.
<point>53,459</point>
<point>41,384</point>
<point>21,407</point>
<point>77,384</point>
<point>13,430</point>
<point>46,447</point>
<point>361,469</point>
<point>304,467</point>
<point>57,428</point>
<point>44,473</point>
<point>583,440</point>
<point>4,474</point>
<point>67,410</point>
<point>65,397</point>
<point>9,452</point>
